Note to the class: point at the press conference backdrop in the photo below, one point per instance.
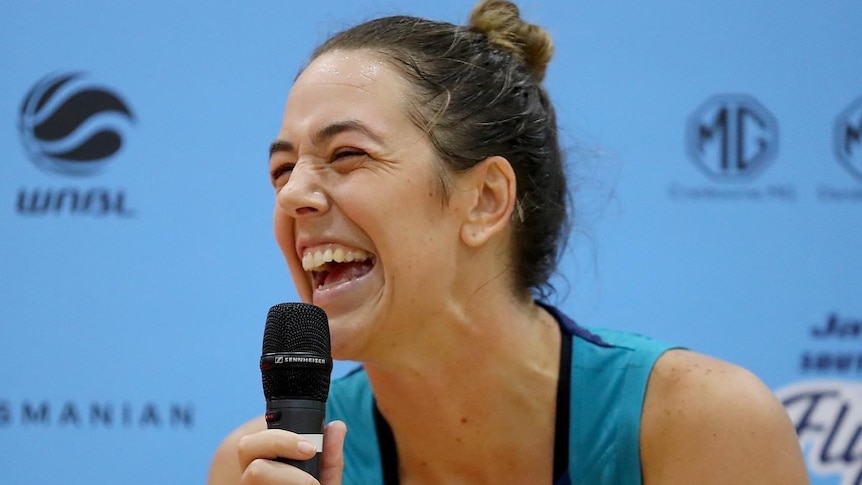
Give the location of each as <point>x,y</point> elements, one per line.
<point>715,153</point>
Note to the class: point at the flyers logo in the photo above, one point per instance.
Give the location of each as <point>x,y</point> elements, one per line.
<point>828,419</point>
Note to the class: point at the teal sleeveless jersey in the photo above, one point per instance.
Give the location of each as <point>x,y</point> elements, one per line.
<point>608,379</point>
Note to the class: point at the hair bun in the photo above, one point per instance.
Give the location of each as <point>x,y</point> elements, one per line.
<point>501,22</point>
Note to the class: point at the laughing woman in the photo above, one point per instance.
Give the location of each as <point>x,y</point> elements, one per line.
<point>421,202</point>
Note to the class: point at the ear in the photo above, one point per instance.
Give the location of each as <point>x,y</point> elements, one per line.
<point>493,187</point>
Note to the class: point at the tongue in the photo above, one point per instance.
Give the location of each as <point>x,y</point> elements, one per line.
<point>343,272</point>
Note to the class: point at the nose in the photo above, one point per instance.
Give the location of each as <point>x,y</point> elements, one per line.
<point>303,193</point>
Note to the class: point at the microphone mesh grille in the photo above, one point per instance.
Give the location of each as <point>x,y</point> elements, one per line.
<point>296,327</point>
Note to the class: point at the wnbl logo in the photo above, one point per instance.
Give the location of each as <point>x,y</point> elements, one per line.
<point>828,420</point>
<point>71,127</point>
<point>732,137</point>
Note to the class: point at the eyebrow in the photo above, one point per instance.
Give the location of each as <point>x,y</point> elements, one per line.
<point>324,134</point>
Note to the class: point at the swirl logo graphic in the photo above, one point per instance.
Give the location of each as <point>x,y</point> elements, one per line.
<point>71,127</point>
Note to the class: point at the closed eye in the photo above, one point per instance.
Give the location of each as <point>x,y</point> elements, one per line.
<point>280,173</point>
<point>346,153</point>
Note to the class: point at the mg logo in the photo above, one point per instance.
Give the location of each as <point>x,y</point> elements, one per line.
<point>848,138</point>
<point>732,137</point>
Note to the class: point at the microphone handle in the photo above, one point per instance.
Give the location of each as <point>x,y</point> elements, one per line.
<point>304,417</point>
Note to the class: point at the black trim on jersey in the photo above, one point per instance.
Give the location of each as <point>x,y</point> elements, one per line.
<point>564,386</point>
<point>386,440</point>
<point>388,453</point>
<point>572,328</point>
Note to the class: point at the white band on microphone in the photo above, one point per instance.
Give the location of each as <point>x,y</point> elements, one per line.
<point>315,439</point>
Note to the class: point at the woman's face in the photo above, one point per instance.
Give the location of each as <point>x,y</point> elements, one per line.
<point>359,214</point>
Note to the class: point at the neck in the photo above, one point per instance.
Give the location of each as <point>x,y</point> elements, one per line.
<point>456,407</point>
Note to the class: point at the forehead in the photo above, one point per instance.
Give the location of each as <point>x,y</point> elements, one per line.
<point>349,68</point>
<point>345,84</point>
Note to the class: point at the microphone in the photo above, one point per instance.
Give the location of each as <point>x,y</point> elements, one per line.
<point>295,368</point>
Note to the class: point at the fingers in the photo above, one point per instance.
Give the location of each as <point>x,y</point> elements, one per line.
<point>332,465</point>
<point>257,451</point>
<point>268,472</point>
<point>272,444</point>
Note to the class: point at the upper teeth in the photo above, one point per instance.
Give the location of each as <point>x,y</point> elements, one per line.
<point>314,260</point>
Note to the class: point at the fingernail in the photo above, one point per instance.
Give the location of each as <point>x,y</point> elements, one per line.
<point>306,447</point>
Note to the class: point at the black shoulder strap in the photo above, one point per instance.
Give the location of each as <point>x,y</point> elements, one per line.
<point>564,383</point>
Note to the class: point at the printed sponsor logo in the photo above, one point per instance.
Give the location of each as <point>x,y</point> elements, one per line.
<point>848,138</point>
<point>826,407</point>
<point>732,137</point>
<point>71,127</point>
<point>96,414</point>
<point>835,359</point>
<point>847,141</point>
<point>828,419</point>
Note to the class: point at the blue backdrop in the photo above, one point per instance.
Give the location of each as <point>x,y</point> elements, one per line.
<point>715,152</point>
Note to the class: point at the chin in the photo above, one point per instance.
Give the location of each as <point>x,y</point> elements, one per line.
<point>342,350</point>
<point>344,338</point>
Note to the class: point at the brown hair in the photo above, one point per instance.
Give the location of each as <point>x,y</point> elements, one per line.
<point>477,93</point>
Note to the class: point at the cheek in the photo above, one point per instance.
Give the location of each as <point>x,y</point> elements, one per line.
<point>283,229</point>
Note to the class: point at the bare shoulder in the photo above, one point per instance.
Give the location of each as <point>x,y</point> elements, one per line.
<point>225,468</point>
<point>708,421</point>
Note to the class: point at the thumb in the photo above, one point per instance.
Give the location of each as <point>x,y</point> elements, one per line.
<point>332,462</point>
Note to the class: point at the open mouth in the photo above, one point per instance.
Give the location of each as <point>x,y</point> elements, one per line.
<point>335,266</point>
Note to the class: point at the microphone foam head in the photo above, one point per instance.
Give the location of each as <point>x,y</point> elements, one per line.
<point>299,332</point>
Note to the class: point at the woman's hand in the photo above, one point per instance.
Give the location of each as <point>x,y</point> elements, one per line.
<point>249,459</point>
